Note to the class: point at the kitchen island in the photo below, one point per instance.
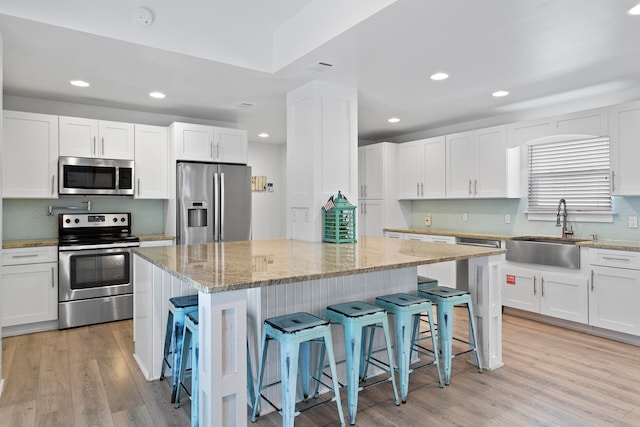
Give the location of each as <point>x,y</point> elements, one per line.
<point>242,283</point>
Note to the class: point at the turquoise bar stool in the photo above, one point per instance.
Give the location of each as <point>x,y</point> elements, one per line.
<point>355,316</point>
<point>190,340</point>
<point>295,333</point>
<point>178,309</point>
<point>407,309</point>
<point>445,299</point>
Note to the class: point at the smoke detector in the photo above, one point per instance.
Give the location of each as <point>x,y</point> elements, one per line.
<point>142,17</point>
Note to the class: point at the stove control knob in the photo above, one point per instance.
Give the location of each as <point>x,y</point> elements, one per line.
<point>115,219</point>
<point>123,219</point>
<point>68,221</point>
<point>76,220</point>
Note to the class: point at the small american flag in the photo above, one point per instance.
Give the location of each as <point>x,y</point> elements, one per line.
<point>329,205</point>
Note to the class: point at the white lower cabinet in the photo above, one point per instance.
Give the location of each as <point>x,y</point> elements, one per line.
<point>29,285</point>
<point>371,218</point>
<point>615,290</point>
<point>555,294</point>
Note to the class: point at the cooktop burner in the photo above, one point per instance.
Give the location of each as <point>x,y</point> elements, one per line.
<point>94,229</point>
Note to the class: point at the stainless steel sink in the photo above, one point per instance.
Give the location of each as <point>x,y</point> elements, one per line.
<point>558,252</point>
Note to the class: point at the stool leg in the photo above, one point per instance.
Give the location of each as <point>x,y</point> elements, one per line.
<point>436,357</point>
<point>387,338</point>
<point>167,345</point>
<point>365,366</point>
<point>472,335</point>
<point>334,374</point>
<point>178,361</point>
<point>403,349</point>
<point>445,330</point>
<point>179,375</point>
<point>250,386</point>
<point>353,350</point>
<point>303,366</point>
<point>195,385</point>
<point>289,351</point>
<point>263,358</point>
<point>320,369</point>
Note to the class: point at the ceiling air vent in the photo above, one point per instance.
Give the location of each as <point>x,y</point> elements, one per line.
<point>319,67</point>
<point>245,105</point>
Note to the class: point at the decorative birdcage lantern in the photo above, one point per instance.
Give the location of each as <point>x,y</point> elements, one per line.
<point>339,219</point>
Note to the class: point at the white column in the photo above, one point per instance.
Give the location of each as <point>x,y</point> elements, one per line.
<point>484,285</point>
<point>322,154</point>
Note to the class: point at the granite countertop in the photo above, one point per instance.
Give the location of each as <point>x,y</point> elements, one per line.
<point>631,245</point>
<point>34,243</point>
<point>220,267</point>
<point>478,235</point>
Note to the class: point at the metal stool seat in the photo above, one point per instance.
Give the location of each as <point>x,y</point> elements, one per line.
<point>178,309</point>
<point>355,316</point>
<point>445,299</point>
<point>406,308</point>
<point>295,333</point>
<point>190,339</point>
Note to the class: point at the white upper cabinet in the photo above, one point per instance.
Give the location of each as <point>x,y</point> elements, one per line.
<point>625,149</point>
<point>422,169</point>
<point>152,162</point>
<point>30,144</point>
<point>370,172</point>
<point>231,145</point>
<point>210,144</point>
<point>81,137</point>
<point>479,165</point>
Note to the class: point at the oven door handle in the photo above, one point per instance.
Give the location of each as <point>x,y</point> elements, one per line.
<point>105,246</point>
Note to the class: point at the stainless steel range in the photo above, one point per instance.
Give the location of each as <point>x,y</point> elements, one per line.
<point>94,264</point>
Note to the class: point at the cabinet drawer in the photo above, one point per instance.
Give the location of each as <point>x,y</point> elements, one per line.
<point>613,258</point>
<point>29,255</point>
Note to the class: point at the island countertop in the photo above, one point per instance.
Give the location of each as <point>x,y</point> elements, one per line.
<point>228,266</point>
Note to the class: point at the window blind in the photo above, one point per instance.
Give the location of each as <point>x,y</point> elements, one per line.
<point>578,171</point>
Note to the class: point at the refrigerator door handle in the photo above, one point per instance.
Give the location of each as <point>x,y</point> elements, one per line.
<point>216,207</point>
<point>222,206</point>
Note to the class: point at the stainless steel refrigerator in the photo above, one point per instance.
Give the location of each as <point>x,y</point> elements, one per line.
<point>213,203</point>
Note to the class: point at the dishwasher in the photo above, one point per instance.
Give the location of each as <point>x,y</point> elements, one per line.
<point>462,267</point>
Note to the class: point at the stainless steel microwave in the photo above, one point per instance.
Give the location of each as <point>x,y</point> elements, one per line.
<point>79,175</point>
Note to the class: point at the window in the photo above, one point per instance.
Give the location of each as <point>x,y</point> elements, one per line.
<point>576,170</point>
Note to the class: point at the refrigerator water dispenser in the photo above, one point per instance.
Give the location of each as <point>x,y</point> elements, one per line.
<point>197,214</point>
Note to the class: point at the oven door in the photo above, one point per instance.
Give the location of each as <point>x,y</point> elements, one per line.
<point>93,273</point>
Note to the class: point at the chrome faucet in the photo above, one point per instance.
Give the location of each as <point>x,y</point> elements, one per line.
<point>565,232</point>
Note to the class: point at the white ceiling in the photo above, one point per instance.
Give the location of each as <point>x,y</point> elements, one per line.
<point>208,56</point>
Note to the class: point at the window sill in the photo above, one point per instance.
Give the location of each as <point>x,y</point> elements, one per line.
<point>596,216</point>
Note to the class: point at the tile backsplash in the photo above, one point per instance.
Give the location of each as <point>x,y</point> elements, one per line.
<point>29,219</point>
<point>489,216</point>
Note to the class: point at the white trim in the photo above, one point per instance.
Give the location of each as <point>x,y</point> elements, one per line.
<point>595,216</point>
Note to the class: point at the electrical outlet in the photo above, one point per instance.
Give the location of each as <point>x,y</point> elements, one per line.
<point>633,221</point>
<point>427,219</point>
<point>507,219</point>
<point>465,217</point>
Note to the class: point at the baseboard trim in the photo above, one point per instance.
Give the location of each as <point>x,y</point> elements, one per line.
<point>580,327</point>
<point>29,328</point>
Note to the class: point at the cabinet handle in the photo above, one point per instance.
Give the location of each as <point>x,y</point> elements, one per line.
<point>138,186</point>
<point>418,189</point>
<point>469,187</point>
<point>475,187</point>
<point>361,191</point>
<point>542,286</point>
<point>365,190</point>
<point>422,189</point>
<point>611,258</point>
<point>102,145</point>
<point>613,181</point>
<point>53,184</point>
<point>592,284</point>
<point>53,280</point>
<point>218,151</point>
<point>535,290</point>
<point>95,149</point>
<point>211,149</point>
<point>25,256</point>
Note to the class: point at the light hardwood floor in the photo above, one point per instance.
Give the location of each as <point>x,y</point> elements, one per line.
<point>552,377</point>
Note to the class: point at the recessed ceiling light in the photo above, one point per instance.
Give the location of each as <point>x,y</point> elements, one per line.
<point>263,135</point>
<point>393,120</point>
<point>635,10</point>
<point>79,83</point>
<point>500,93</point>
<point>439,76</point>
<point>157,95</point>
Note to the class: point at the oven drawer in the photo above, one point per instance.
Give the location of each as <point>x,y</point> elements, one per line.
<point>19,256</point>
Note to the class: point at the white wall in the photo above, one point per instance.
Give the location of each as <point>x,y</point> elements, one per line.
<point>269,208</point>
<point>1,133</point>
